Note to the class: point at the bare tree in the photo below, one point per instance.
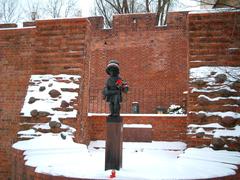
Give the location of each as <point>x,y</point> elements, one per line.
<point>32,10</point>
<point>71,8</point>
<point>9,12</point>
<point>162,9</point>
<point>54,7</point>
<point>62,8</point>
<point>107,8</point>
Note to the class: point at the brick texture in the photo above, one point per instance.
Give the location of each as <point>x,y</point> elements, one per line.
<point>147,62</point>
<point>214,40</point>
<point>52,47</point>
<point>164,128</point>
<point>151,58</point>
<point>132,134</point>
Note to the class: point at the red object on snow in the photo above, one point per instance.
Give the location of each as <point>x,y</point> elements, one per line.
<point>113,174</point>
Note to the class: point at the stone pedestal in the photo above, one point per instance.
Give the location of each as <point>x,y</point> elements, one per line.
<point>114,141</point>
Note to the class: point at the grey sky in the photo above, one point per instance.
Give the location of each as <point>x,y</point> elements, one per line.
<point>86,7</point>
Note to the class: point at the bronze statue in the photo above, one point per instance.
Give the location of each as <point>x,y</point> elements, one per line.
<point>114,87</point>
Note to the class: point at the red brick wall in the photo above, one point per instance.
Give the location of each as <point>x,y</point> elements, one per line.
<point>52,47</point>
<point>15,68</point>
<point>151,58</point>
<point>165,128</point>
<point>211,37</point>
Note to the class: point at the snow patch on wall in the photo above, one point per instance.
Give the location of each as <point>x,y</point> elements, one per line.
<point>44,102</point>
<point>207,73</point>
<point>219,98</point>
<point>214,130</point>
<point>53,97</point>
<point>221,114</point>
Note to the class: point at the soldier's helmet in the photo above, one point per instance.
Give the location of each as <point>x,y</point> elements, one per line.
<point>113,65</point>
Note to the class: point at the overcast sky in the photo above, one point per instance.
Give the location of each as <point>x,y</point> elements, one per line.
<point>87,5</point>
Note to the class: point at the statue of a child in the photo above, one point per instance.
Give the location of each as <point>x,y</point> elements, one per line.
<point>114,87</point>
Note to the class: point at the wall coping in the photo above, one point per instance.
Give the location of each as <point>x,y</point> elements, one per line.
<point>218,10</point>
<point>18,28</point>
<point>139,115</point>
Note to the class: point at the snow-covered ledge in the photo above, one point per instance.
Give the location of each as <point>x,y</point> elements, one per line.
<point>140,115</point>
<point>146,126</point>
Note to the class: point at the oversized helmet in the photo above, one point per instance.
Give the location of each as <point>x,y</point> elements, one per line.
<point>113,66</point>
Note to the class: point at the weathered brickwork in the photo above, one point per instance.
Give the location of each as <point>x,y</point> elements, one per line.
<point>164,128</point>
<point>152,58</point>
<point>147,62</point>
<point>15,69</point>
<point>214,40</point>
<point>52,47</point>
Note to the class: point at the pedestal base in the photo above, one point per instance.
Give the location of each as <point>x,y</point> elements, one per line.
<point>113,152</point>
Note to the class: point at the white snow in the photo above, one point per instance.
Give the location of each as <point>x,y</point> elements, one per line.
<point>216,130</point>
<point>199,130</point>
<point>219,98</point>
<point>204,72</point>
<point>185,92</point>
<point>210,125</point>
<point>137,126</point>
<point>45,102</point>
<point>31,133</point>
<point>163,145</point>
<point>216,156</point>
<point>47,127</point>
<point>50,154</point>
<point>175,109</point>
<point>235,132</point>
<point>65,84</point>
<point>222,114</point>
<point>213,89</point>
<point>233,49</point>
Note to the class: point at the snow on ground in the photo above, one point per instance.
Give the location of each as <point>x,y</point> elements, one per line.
<point>51,154</point>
